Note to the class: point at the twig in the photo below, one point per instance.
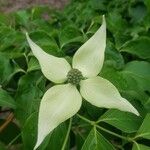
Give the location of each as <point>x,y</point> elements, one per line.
<point>8,120</point>
<point>5,111</point>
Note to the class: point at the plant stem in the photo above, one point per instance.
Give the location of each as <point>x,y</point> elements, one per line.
<point>8,120</point>
<point>5,111</point>
<point>67,135</point>
<point>13,140</point>
<point>85,119</point>
<point>112,133</point>
<point>103,129</point>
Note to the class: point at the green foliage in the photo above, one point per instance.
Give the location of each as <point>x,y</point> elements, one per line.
<point>6,100</point>
<point>144,130</point>
<point>96,141</point>
<point>61,33</point>
<point>124,121</point>
<point>139,47</point>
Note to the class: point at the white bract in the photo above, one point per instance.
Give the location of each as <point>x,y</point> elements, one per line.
<point>64,100</point>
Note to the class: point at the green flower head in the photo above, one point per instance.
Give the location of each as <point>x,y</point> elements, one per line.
<point>62,101</point>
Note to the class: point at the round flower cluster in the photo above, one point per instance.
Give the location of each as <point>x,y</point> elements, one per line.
<point>74,76</point>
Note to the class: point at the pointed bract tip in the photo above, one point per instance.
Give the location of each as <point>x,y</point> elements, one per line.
<point>103,19</point>
<point>136,113</point>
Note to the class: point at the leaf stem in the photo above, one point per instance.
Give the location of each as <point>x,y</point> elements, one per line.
<point>136,144</point>
<point>140,135</point>
<point>67,135</point>
<point>85,119</point>
<point>103,129</point>
<point>112,133</point>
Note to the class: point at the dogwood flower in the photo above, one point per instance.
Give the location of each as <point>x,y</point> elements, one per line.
<point>62,101</point>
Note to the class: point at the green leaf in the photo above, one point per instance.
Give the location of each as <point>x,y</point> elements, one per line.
<point>147,3</point>
<point>45,41</point>
<point>124,121</point>
<point>95,141</point>
<point>33,64</point>
<point>6,34</point>
<point>29,132</point>
<point>113,56</point>
<point>57,136</point>
<point>119,79</point>
<point>144,130</point>
<point>137,12</point>
<point>115,22</point>
<point>147,17</point>
<point>147,105</point>
<point>6,100</point>
<point>138,47</point>
<point>4,19</point>
<point>8,69</point>
<point>22,17</point>
<point>140,147</point>
<point>28,95</point>
<point>140,71</point>
<point>5,68</point>
<point>126,83</point>
<point>139,68</point>
<point>68,35</point>
<point>29,135</point>
<point>12,42</point>
<point>2,147</point>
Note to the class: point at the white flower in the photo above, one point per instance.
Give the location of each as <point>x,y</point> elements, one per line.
<point>64,100</point>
